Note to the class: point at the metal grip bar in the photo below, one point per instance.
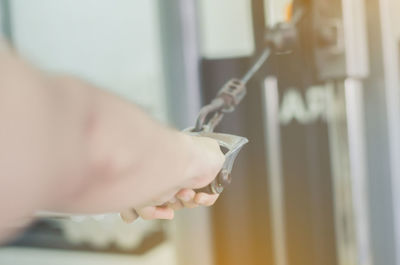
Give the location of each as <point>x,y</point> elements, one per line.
<point>233,144</point>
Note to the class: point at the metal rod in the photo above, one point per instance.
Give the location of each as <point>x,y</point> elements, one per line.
<point>254,69</point>
<point>276,186</point>
<point>355,112</point>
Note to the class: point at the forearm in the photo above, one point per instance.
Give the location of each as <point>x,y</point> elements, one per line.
<point>133,159</point>
<point>43,151</point>
<point>33,151</point>
<point>68,146</point>
<point>91,151</point>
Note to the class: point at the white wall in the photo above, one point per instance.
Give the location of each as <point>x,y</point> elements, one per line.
<point>226,28</point>
<point>275,11</point>
<point>114,44</point>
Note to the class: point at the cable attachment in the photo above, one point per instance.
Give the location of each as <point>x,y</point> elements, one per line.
<point>228,97</point>
<point>283,36</point>
<point>232,94</point>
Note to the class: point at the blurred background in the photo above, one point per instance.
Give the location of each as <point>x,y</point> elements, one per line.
<point>318,183</point>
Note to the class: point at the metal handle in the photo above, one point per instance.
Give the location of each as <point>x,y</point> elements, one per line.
<point>233,144</point>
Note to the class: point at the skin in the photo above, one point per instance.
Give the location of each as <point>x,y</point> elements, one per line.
<point>69,147</point>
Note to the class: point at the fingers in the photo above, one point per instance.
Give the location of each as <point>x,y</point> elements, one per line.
<point>190,199</point>
<point>129,216</point>
<point>148,213</point>
<point>175,204</point>
<point>186,196</point>
<point>205,199</point>
<point>156,212</point>
<point>207,163</point>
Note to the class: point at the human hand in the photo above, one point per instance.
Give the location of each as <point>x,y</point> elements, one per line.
<point>205,168</point>
<point>185,198</point>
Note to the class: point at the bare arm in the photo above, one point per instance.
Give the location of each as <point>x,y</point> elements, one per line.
<point>67,146</point>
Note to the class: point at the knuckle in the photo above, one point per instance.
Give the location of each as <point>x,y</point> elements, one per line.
<point>129,216</point>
